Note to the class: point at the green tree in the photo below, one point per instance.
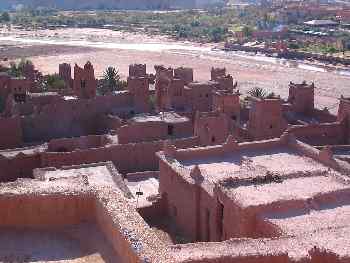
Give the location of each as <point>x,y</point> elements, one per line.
<point>54,82</point>
<point>16,69</point>
<point>111,81</point>
<point>5,17</point>
<point>247,31</point>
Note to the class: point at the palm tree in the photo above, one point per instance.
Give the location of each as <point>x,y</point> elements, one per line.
<point>257,92</point>
<point>110,80</point>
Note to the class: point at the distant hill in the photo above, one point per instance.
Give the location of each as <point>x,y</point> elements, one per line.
<point>107,4</point>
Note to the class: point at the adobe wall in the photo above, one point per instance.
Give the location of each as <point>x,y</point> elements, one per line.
<point>19,85</point>
<point>43,128</point>
<point>265,119</point>
<point>65,72</point>
<point>344,114</point>
<point>39,101</point>
<point>137,70</point>
<point>225,83</point>
<point>174,95</point>
<point>301,97</point>
<point>139,88</point>
<point>325,156</point>
<point>72,118</point>
<point>185,74</point>
<point>199,96</point>
<point>45,210</point>
<point>208,218</point>
<point>217,73</point>
<point>320,134</point>
<point>84,83</point>
<point>114,234</point>
<point>180,199</point>
<point>228,103</point>
<point>344,108</point>
<point>151,131</point>
<point>219,150</point>
<point>211,128</point>
<point>126,157</point>
<point>4,87</point>
<point>20,166</point>
<point>10,133</point>
<point>142,175</point>
<point>112,123</point>
<point>133,240</point>
<point>323,116</point>
<point>71,144</point>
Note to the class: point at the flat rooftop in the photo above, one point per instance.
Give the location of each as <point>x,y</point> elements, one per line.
<point>301,188</point>
<point>276,160</point>
<point>315,221</point>
<point>169,117</point>
<point>96,175</point>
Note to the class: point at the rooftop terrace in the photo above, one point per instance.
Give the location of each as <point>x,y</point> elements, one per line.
<point>289,189</point>
<point>275,160</point>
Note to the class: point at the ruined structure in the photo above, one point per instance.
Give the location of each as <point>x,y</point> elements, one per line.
<point>84,84</point>
<point>190,172</point>
<point>65,72</point>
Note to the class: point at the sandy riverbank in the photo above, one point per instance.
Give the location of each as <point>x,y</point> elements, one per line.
<point>105,47</point>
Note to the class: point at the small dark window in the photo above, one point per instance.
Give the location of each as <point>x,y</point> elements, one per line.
<point>220,219</point>
<point>207,95</point>
<point>174,211</point>
<point>170,130</point>
<point>132,112</point>
<point>233,117</point>
<point>83,84</point>
<point>213,139</point>
<point>271,126</point>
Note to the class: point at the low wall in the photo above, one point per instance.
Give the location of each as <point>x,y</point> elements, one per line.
<point>114,235</point>
<point>142,175</point>
<point>71,144</point>
<point>45,210</point>
<point>128,158</point>
<point>20,166</point>
<point>320,156</point>
<point>217,150</point>
<point>320,134</point>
